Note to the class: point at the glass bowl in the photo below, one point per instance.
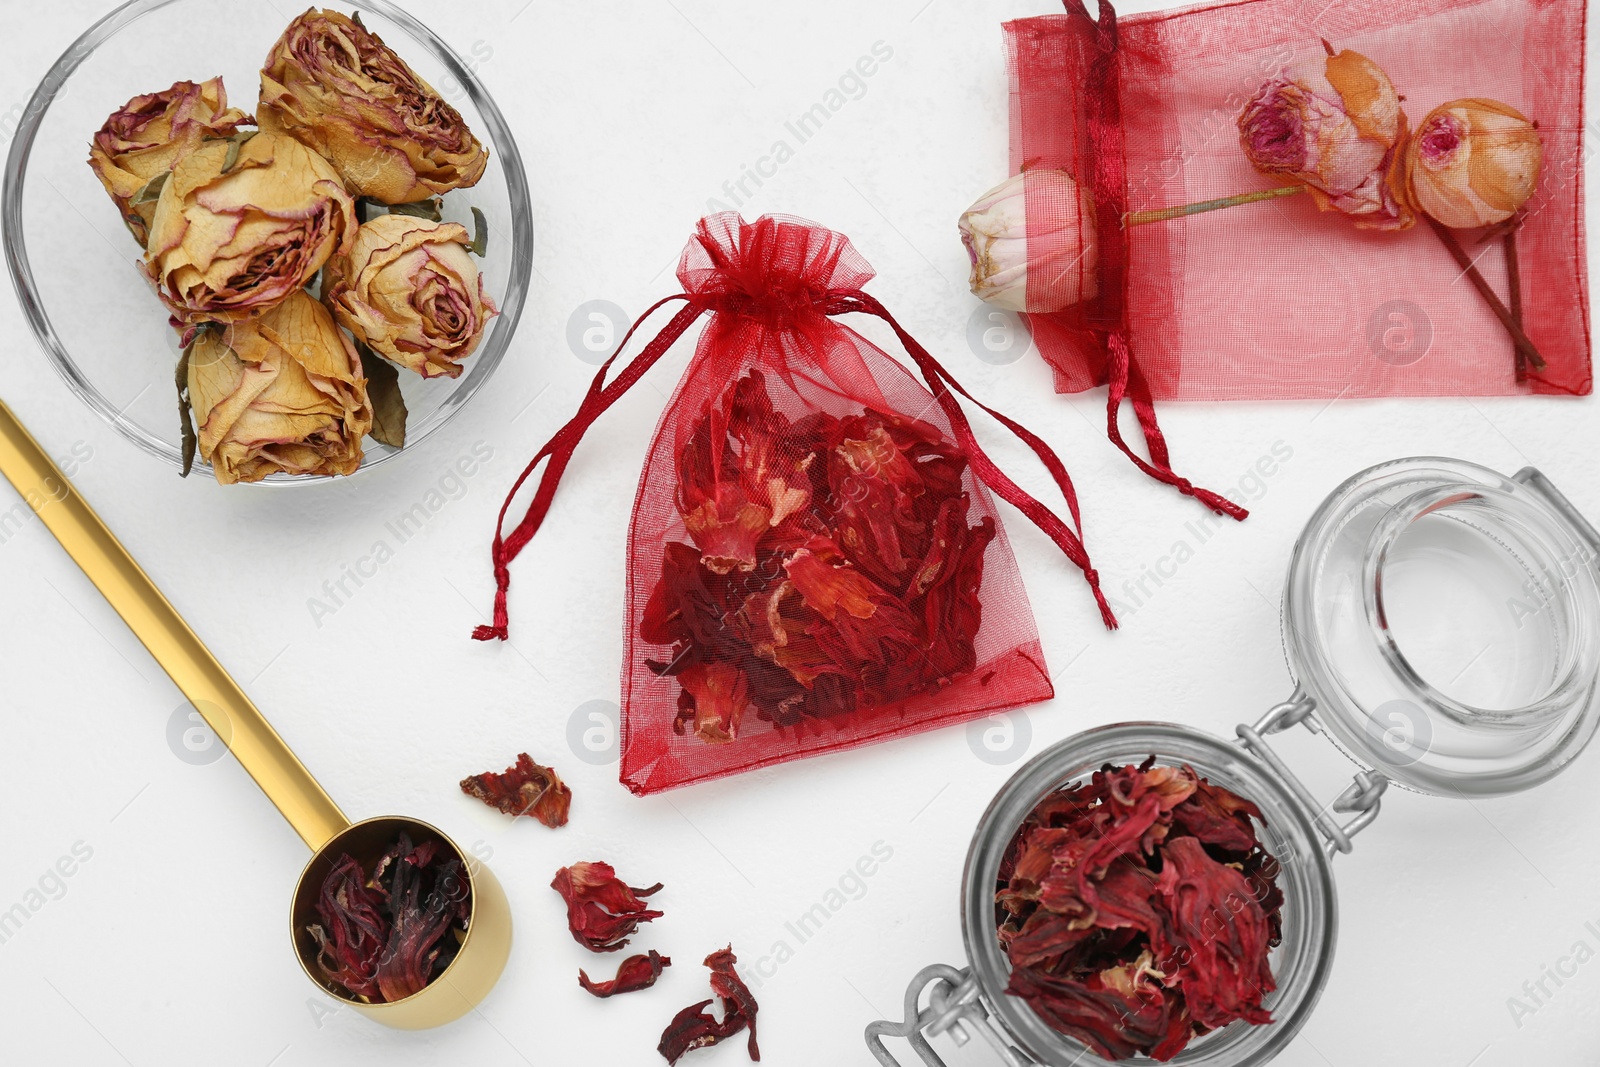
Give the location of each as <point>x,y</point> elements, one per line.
<point>75,267</point>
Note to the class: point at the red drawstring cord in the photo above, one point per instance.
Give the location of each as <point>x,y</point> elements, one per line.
<point>1110,194</point>
<point>559,451</point>
<point>938,379</point>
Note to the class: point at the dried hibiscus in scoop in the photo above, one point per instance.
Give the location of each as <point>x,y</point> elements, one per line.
<point>602,912</point>
<point>633,974</point>
<point>385,936</point>
<point>832,565</point>
<point>694,1027</point>
<point>525,789</point>
<point>1138,910</point>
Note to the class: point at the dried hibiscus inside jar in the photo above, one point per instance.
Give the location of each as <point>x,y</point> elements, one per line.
<point>386,934</point>
<point>1138,910</point>
<point>831,565</point>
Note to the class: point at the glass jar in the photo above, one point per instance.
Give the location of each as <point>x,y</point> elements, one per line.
<point>1440,621</point>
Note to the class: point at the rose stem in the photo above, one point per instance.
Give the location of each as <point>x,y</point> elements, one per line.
<point>1514,278</point>
<point>1525,347</point>
<point>1140,218</point>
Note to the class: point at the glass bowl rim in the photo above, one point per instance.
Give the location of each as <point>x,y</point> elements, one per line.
<point>20,269</point>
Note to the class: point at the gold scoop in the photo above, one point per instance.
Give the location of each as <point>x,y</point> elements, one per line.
<point>258,748</point>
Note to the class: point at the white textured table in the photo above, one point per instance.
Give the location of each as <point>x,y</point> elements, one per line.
<point>167,944</point>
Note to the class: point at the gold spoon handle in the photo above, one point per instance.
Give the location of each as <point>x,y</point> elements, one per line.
<point>185,658</point>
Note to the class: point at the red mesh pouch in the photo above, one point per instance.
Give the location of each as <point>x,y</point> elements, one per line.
<point>814,561</point>
<point>1278,299</point>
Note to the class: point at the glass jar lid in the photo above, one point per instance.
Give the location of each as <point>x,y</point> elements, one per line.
<point>1445,621</point>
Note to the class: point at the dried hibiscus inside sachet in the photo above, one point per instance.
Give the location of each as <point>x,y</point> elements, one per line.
<point>815,560</point>
<point>386,933</point>
<point>1138,910</point>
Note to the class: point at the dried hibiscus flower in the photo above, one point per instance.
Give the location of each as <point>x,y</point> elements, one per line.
<point>831,566</point>
<point>633,974</point>
<point>1138,910</point>
<point>385,936</point>
<point>602,912</point>
<point>525,789</point>
<point>694,1027</point>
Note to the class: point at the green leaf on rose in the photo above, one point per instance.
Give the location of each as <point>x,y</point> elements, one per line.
<point>430,208</point>
<point>480,236</point>
<point>191,443</point>
<point>150,191</point>
<point>383,391</point>
<point>234,144</point>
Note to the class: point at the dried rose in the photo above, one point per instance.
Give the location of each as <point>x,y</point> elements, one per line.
<point>410,289</point>
<point>694,1027</point>
<point>282,393</point>
<point>524,789</point>
<point>332,83</point>
<point>1138,911</point>
<point>633,974</point>
<point>1473,162</point>
<point>602,912</point>
<point>135,151</point>
<point>239,227</point>
<point>832,566</point>
<point>1335,124</point>
<point>1057,257</point>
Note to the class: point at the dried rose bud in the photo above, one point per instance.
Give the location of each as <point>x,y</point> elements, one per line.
<point>141,142</point>
<point>1057,255</point>
<point>332,83</point>
<point>239,227</point>
<point>281,393</point>
<point>410,289</point>
<point>1473,162</point>
<point>524,789</point>
<point>633,974</point>
<point>602,912</point>
<point>1335,124</point>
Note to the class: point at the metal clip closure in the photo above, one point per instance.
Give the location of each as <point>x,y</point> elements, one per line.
<point>954,1005</point>
<point>1363,797</point>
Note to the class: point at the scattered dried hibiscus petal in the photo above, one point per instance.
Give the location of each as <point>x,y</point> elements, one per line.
<point>602,912</point>
<point>694,1027</point>
<point>1138,910</point>
<point>831,566</point>
<point>634,973</point>
<point>386,936</point>
<point>525,789</point>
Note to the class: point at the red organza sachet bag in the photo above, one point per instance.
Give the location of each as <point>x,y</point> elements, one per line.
<point>1372,134</point>
<point>815,561</point>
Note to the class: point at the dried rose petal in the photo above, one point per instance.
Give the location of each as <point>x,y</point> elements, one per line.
<point>694,1027</point>
<point>633,974</point>
<point>1138,910</point>
<point>602,912</point>
<point>524,789</point>
<point>356,929</point>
